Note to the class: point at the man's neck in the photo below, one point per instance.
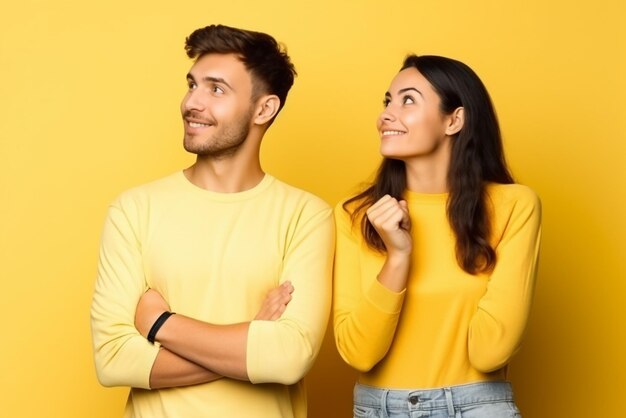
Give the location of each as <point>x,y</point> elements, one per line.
<point>225,175</point>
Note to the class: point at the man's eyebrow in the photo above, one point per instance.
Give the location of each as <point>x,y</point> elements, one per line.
<point>210,79</point>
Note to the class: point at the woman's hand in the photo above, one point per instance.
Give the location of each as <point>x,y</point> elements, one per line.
<point>391,220</point>
<point>275,302</point>
<point>150,306</point>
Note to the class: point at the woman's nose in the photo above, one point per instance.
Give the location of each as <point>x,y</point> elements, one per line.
<point>387,115</point>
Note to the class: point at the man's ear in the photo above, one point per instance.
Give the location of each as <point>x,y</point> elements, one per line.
<point>456,121</point>
<point>267,108</point>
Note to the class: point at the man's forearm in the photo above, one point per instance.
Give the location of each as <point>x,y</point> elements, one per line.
<point>219,348</point>
<point>171,370</point>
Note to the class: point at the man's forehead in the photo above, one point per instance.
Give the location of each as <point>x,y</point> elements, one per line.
<point>227,69</point>
<point>220,65</point>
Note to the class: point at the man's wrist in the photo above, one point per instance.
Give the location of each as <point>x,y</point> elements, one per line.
<point>157,325</point>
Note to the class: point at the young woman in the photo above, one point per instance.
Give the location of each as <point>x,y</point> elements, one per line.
<point>435,261</point>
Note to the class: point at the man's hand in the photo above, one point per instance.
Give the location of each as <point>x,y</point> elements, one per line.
<point>275,302</point>
<point>150,306</point>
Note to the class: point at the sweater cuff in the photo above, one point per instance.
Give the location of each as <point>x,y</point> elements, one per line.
<point>259,366</point>
<point>384,299</point>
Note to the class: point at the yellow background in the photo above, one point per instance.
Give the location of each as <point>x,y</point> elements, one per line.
<point>89,95</point>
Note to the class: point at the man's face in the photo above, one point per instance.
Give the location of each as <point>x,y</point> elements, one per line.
<point>217,109</point>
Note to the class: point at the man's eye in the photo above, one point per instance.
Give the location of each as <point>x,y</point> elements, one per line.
<point>192,86</point>
<point>217,89</point>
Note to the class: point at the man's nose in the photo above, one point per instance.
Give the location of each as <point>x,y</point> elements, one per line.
<point>194,101</point>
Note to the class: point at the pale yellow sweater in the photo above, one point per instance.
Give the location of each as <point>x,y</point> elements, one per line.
<point>447,327</point>
<point>214,257</point>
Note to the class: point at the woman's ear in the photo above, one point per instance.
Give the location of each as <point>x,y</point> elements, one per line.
<point>267,108</point>
<point>456,121</point>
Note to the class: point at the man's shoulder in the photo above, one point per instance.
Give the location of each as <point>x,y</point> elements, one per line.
<point>143,193</point>
<point>299,196</point>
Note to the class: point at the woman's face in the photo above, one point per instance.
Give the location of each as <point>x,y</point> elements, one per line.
<point>412,125</point>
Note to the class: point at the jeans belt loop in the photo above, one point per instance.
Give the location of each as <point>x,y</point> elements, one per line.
<point>449,402</point>
<point>383,402</point>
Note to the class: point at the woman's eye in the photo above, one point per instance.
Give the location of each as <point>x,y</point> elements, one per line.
<point>407,100</point>
<point>386,102</point>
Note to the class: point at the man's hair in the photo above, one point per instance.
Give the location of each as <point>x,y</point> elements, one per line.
<point>267,61</point>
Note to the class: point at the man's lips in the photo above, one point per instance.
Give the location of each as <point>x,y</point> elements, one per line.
<point>194,124</point>
<point>197,121</point>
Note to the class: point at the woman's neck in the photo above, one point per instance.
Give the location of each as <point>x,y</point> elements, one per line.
<point>428,174</point>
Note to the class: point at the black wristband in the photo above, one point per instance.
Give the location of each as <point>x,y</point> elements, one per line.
<point>158,324</point>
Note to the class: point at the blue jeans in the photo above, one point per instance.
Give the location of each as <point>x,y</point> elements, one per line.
<point>474,400</point>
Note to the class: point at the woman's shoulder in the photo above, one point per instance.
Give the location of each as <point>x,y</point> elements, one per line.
<point>345,208</point>
<point>348,203</point>
<point>514,196</point>
<point>513,191</point>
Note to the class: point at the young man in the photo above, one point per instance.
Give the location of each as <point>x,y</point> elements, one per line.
<point>243,259</point>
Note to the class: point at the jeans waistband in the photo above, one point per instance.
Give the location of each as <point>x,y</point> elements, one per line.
<point>446,397</point>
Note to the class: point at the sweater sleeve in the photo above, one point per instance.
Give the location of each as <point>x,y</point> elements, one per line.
<point>365,312</point>
<point>497,327</point>
<point>283,351</point>
<point>122,356</point>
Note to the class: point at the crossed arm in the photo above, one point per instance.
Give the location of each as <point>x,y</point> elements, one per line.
<point>189,351</point>
<point>194,352</point>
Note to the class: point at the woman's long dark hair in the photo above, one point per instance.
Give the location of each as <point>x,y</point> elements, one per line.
<point>477,158</point>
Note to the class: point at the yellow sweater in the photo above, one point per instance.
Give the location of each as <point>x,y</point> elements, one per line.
<point>214,257</point>
<point>447,327</point>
